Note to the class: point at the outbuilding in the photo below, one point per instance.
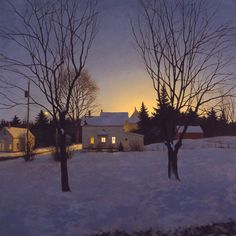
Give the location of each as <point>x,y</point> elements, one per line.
<point>193,132</point>
<point>14,139</point>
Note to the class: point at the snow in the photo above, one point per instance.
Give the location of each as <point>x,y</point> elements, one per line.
<point>44,150</point>
<point>105,120</point>
<point>123,190</point>
<point>215,142</point>
<point>111,119</point>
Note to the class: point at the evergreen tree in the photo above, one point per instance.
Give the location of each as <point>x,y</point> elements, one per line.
<point>143,119</point>
<point>212,117</point>
<point>223,120</point>
<point>43,131</point>
<point>16,122</point>
<point>41,120</point>
<point>162,105</point>
<point>3,123</point>
<point>211,124</point>
<point>190,118</point>
<point>165,117</point>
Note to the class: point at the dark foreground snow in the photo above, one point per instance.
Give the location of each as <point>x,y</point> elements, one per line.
<point>117,191</point>
<point>214,229</point>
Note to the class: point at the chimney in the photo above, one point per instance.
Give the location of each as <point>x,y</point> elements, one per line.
<point>89,113</point>
<point>101,112</point>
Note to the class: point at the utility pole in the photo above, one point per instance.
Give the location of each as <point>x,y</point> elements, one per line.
<point>27,94</point>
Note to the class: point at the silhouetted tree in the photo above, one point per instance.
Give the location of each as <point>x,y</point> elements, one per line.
<point>3,123</point>
<point>83,100</point>
<point>43,131</point>
<point>16,122</point>
<point>190,116</point>
<point>144,122</point>
<point>210,124</point>
<point>41,119</point>
<point>163,113</point>
<point>185,50</point>
<point>55,37</point>
<point>143,119</point>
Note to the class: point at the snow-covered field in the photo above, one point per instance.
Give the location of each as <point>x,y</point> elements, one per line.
<point>111,191</point>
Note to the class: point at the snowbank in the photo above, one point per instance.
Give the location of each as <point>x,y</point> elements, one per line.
<point>45,150</point>
<point>215,142</point>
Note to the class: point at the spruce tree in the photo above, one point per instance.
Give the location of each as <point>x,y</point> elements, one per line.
<point>164,116</point>
<point>192,116</point>
<point>211,123</point>
<point>41,120</point>
<point>42,130</point>
<point>16,122</point>
<point>143,119</point>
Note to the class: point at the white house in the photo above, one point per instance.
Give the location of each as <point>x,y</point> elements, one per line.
<point>14,139</point>
<point>109,131</point>
<point>131,123</point>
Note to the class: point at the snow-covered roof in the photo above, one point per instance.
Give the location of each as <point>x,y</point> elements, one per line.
<point>102,133</point>
<point>17,132</point>
<point>190,129</point>
<point>111,119</point>
<point>134,118</point>
<point>107,119</point>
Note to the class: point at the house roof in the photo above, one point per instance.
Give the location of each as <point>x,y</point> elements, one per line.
<point>17,132</point>
<point>190,129</point>
<point>103,133</point>
<point>107,119</point>
<point>134,118</point>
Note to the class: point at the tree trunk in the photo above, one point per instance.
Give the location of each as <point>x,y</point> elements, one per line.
<point>63,155</point>
<point>173,160</point>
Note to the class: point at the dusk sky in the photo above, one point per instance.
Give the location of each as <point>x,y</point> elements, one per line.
<point>113,60</point>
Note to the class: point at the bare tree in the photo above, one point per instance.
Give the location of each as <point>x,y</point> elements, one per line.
<point>227,108</point>
<point>83,95</point>
<point>184,50</point>
<point>54,38</point>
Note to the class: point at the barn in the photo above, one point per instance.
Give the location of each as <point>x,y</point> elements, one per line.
<point>193,132</point>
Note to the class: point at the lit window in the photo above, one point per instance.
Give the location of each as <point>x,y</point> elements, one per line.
<point>92,140</point>
<point>103,139</point>
<point>113,140</point>
<point>10,147</point>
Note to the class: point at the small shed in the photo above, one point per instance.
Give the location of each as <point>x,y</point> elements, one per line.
<point>13,139</point>
<point>193,132</point>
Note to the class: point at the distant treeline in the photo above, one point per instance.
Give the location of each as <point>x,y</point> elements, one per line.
<point>213,123</point>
